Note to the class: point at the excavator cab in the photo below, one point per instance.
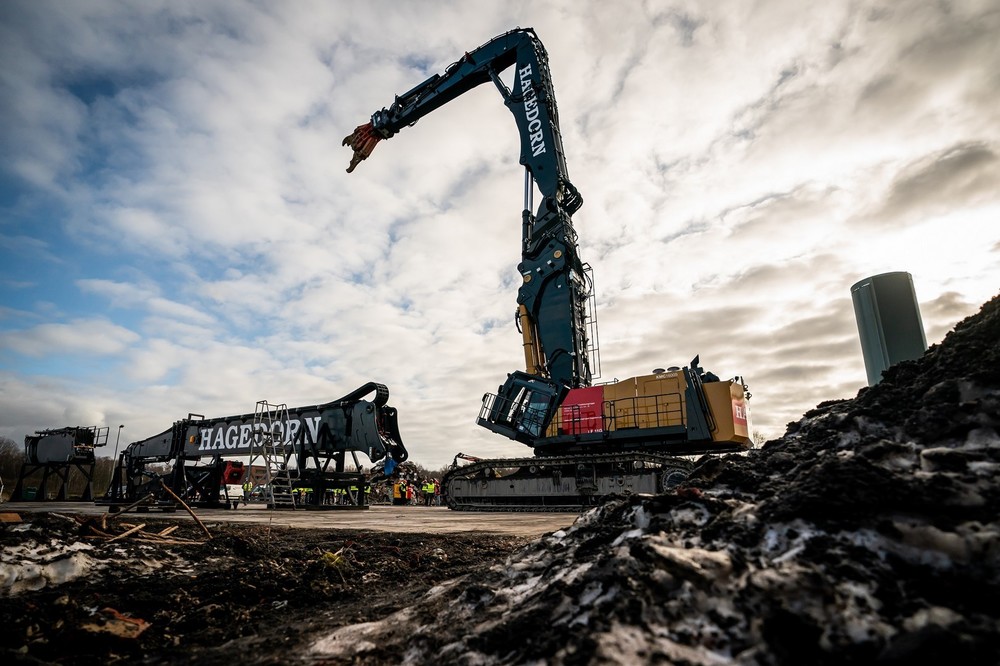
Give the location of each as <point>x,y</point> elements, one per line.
<point>522,408</point>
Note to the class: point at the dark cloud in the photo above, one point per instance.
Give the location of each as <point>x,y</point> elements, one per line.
<point>833,323</point>
<point>776,213</point>
<point>963,175</point>
<point>779,361</point>
<point>685,24</point>
<point>794,374</point>
<point>750,119</point>
<point>950,305</point>
<point>686,333</point>
<point>888,95</point>
<point>691,228</point>
<point>958,41</point>
<point>818,340</point>
<point>933,49</point>
<point>948,308</point>
<point>777,276</point>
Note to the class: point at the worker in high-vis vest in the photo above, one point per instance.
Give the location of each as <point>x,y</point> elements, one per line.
<point>398,493</point>
<point>428,490</point>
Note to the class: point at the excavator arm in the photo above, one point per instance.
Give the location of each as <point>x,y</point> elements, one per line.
<point>553,299</point>
<point>531,100</point>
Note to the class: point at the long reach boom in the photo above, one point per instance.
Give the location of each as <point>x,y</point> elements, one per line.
<point>554,300</point>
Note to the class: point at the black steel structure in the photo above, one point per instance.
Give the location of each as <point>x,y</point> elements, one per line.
<point>195,456</point>
<point>56,454</point>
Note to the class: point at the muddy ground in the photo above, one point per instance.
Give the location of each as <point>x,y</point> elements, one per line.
<point>250,594</point>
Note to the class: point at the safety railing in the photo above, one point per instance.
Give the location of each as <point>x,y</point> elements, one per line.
<point>648,411</point>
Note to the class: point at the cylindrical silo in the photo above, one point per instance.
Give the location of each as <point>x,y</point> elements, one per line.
<point>888,322</point>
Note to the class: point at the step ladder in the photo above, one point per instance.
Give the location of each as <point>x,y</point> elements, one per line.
<point>268,449</point>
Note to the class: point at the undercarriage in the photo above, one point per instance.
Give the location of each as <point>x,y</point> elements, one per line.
<point>559,483</point>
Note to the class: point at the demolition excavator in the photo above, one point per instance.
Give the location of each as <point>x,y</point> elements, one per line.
<point>590,439</point>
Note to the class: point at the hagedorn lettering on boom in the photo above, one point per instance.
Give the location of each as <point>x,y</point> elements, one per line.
<point>531,111</point>
<point>298,456</point>
<point>239,437</point>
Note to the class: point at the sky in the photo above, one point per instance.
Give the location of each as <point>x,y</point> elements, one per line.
<point>178,233</point>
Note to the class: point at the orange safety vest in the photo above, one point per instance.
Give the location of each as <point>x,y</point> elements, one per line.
<point>397,491</point>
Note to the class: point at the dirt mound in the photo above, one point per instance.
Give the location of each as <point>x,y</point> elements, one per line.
<point>868,533</point>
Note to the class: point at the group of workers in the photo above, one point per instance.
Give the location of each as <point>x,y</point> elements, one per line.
<point>401,491</point>
<point>302,496</point>
<point>411,492</point>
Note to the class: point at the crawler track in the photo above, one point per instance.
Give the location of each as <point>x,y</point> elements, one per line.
<point>559,483</point>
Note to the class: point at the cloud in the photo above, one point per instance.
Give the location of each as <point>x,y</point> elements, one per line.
<point>31,404</point>
<point>179,167</point>
<point>943,312</point>
<point>966,175</point>
<point>27,246</point>
<point>126,295</point>
<point>82,336</point>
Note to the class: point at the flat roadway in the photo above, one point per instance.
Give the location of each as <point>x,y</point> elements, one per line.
<point>383,518</point>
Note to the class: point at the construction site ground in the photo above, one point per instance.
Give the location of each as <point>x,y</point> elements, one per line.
<point>83,585</point>
<point>383,518</point>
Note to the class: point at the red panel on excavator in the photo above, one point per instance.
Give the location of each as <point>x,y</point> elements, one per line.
<point>232,473</point>
<point>582,411</point>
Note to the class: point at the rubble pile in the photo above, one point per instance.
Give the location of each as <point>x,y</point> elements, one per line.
<point>868,533</point>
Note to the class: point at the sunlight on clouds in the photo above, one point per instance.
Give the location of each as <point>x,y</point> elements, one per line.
<point>742,166</point>
<point>67,402</point>
<point>153,361</point>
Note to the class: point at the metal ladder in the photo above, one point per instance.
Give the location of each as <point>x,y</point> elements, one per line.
<point>268,447</point>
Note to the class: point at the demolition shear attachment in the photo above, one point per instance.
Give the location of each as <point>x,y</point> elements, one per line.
<point>362,141</point>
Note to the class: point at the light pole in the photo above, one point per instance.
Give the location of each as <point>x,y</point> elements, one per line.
<point>117,439</point>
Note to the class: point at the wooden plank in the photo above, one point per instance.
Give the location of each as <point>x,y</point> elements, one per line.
<point>126,533</point>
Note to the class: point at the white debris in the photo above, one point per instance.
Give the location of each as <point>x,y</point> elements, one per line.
<point>32,565</point>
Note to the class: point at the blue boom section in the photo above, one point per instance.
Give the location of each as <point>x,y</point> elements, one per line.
<point>556,287</point>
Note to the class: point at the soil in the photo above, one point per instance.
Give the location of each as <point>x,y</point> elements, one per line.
<point>868,533</point>
<point>250,594</point>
